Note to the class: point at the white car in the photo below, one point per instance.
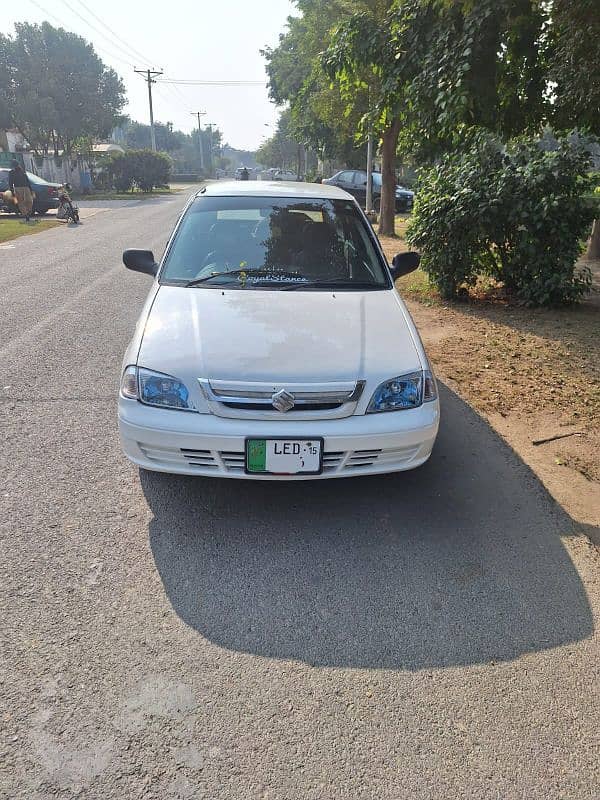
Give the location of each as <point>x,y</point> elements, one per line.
<point>273,344</point>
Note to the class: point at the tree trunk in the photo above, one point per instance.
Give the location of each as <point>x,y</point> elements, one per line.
<point>593,248</point>
<point>388,179</point>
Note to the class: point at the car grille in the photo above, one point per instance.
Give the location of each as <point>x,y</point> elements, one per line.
<point>255,401</point>
<point>233,461</point>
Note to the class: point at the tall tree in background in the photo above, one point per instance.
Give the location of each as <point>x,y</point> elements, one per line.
<point>320,118</point>
<point>468,65</point>
<point>57,89</point>
<point>574,72</point>
<point>281,149</point>
<point>360,57</point>
<point>137,136</point>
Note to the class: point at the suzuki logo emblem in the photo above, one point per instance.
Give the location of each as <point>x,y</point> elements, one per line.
<point>283,401</point>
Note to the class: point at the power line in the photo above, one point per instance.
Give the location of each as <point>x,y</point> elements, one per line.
<point>96,30</point>
<point>115,35</point>
<point>173,89</point>
<point>181,82</point>
<point>61,23</point>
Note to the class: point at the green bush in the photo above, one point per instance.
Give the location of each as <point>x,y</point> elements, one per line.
<point>518,213</point>
<point>142,168</point>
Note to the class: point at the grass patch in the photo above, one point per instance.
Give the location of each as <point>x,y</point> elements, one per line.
<point>13,227</point>
<point>417,283</point>
<point>136,194</point>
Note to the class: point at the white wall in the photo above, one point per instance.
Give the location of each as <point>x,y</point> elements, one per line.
<point>61,170</point>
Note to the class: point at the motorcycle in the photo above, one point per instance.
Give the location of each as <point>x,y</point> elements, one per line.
<point>66,208</point>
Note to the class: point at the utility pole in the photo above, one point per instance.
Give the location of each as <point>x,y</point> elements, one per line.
<point>369,203</point>
<point>200,148</point>
<point>369,198</point>
<point>150,75</point>
<point>210,165</point>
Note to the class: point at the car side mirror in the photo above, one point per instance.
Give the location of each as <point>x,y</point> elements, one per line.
<point>140,261</point>
<point>403,263</point>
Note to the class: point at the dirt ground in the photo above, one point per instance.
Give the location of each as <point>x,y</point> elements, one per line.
<point>534,374</point>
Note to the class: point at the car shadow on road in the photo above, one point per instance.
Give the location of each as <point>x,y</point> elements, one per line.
<point>459,562</point>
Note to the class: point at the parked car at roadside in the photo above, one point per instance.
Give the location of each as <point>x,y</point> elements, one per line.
<point>274,345</point>
<point>354,181</point>
<point>46,193</point>
<point>284,175</point>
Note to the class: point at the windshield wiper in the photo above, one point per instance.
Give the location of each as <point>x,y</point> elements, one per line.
<point>268,278</point>
<point>332,285</point>
<point>205,278</point>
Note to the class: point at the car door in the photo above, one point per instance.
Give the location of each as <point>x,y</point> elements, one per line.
<point>360,187</point>
<point>3,186</point>
<point>345,180</point>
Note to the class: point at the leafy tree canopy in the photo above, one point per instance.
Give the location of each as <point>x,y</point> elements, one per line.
<point>55,88</point>
<point>574,64</point>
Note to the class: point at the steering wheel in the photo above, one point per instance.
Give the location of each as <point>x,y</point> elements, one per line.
<point>216,261</point>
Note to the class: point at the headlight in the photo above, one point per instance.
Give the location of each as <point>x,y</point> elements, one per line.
<point>155,389</point>
<point>405,391</point>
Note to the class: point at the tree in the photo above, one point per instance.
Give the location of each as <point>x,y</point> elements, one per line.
<point>281,150</point>
<point>142,168</point>
<point>466,65</point>
<point>137,136</point>
<point>57,89</point>
<point>574,70</point>
<point>6,89</point>
<point>360,58</point>
<point>319,118</point>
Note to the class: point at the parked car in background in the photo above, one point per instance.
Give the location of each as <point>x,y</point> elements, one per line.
<point>46,193</point>
<point>284,175</point>
<point>354,181</point>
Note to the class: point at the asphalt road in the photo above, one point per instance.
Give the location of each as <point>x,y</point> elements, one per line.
<point>427,635</point>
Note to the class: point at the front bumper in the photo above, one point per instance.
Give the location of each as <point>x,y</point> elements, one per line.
<point>186,443</point>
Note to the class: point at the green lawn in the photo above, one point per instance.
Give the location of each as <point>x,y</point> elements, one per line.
<point>12,227</point>
<point>136,194</point>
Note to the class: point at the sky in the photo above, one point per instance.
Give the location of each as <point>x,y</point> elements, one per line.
<point>204,40</point>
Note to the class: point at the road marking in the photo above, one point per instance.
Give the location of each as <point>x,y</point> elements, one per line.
<point>73,301</point>
<point>7,247</point>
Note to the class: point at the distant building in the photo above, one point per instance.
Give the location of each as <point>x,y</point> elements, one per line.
<point>107,147</point>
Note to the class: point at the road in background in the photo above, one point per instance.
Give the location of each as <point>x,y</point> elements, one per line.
<point>423,635</point>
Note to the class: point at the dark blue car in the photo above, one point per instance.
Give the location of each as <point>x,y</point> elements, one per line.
<point>354,181</point>
<point>46,194</point>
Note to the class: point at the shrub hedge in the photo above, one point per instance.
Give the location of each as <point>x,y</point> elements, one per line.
<point>518,213</point>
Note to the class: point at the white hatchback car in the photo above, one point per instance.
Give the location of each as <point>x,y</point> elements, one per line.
<point>273,344</point>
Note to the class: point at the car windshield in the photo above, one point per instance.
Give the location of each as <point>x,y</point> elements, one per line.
<point>267,242</point>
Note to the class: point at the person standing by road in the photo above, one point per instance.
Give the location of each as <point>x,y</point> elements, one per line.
<point>21,188</point>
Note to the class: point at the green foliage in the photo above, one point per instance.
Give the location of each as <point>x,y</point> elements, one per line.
<point>55,89</point>
<point>281,149</point>
<point>574,64</point>
<point>142,168</point>
<point>137,136</point>
<point>467,64</point>
<point>360,59</point>
<point>320,118</point>
<point>518,213</point>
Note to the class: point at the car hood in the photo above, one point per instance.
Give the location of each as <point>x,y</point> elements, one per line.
<point>277,336</point>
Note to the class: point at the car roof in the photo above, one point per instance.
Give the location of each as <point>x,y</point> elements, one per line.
<point>317,191</point>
